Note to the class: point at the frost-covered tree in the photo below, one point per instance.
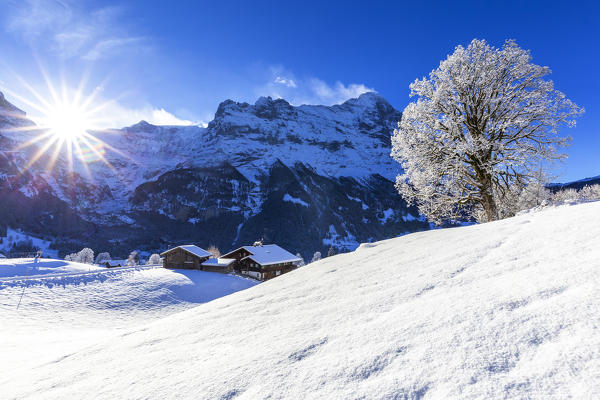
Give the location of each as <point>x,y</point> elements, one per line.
<point>71,257</point>
<point>301,263</point>
<point>316,256</point>
<point>85,256</point>
<point>101,257</point>
<point>133,259</point>
<point>154,260</point>
<point>214,251</point>
<point>483,122</point>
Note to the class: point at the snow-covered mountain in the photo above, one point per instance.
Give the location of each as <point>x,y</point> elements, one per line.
<point>306,177</point>
<point>503,310</point>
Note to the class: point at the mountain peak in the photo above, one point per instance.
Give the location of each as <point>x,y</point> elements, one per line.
<point>143,126</point>
<point>7,107</point>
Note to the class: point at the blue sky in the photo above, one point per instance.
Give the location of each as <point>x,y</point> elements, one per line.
<point>174,62</point>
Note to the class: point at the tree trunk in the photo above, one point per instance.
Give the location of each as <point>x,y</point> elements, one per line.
<point>489,204</point>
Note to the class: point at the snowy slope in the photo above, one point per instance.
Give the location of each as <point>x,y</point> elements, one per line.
<point>502,310</point>
<point>23,267</point>
<point>59,315</point>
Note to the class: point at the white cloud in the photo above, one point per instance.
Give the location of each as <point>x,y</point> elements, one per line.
<point>121,116</point>
<point>285,81</point>
<point>282,83</point>
<point>64,27</point>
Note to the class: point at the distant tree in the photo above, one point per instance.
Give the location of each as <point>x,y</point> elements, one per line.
<point>85,256</point>
<point>133,259</point>
<point>301,263</point>
<point>214,251</point>
<point>102,257</point>
<point>331,252</point>
<point>71,257</point>
<point>483,122</point>
<point>154,260</point>
<point>316,256</point>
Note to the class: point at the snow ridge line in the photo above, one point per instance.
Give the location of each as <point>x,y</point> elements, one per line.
<point>9,281</point>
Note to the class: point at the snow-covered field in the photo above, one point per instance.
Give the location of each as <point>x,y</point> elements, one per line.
<point>508,309</point>
<point>26,267</point>
<point>58,315</point>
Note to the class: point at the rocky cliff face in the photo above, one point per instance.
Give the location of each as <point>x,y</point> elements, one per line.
<point>307,178</point>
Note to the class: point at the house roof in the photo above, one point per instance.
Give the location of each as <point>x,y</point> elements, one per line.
<point>269,254</point>
<point>114,263</point>
<point>190,248</point>
<point>218,262</point>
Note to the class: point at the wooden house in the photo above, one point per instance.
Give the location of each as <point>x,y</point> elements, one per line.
<point>114,263</point>
<point>187,256</point>
<point>223,265</point>
<point>194,257</point>
<point>262,262</point>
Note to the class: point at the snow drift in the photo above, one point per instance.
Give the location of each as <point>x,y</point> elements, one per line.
<point>507,309</point>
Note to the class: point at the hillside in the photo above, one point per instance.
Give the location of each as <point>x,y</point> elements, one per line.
<point>46,317</point>
<point>501,310</point>
<point>325,170</point>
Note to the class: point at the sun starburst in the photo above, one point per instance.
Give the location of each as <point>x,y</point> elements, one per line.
<point>64,127</point>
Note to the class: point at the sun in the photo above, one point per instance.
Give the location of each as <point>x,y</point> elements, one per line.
<point>67,122</point>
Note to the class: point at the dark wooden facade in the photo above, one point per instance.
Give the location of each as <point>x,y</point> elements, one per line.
<point>266,272</point>
<point>237,255</point>
<point>246,266</point>
<point>179,258</point>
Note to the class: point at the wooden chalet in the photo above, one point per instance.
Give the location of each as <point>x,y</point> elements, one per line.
<point>187,256</point>
<point>114,263</point>
<point>193,257</point>
<point>262,262</point>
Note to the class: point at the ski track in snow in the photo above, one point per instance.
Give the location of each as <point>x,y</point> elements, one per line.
<point>504,310</point>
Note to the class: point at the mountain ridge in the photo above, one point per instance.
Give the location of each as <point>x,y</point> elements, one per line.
<point>148,187</point>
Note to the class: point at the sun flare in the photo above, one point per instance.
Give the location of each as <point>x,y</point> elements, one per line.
<point>67,122</point>
<point>67,129</point>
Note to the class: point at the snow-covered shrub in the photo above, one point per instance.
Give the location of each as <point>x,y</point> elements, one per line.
<point>300,263</point>
<point>154,260</point>
<point>133,259</point>
<point>518,198</point>
<point>102,257</point>
<point>316,256</point>
<point>590,193</point>
<point>71,257</point>
<point>565,196</point>
<point>331,252</point>
<point>214,251</point>
<point>85,256</point>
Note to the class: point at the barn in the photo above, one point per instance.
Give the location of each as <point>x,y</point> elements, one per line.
<point>262,262</point>
<point>187,256</point>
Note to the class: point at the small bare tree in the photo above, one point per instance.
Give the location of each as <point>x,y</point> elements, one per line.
<point>214,250</point>
<point>482,124</point>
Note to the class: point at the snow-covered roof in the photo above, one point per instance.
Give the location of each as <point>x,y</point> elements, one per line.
<point>218,262</point>
<point>190,248</point>
<point>114,263</point>
<point>269,254</point>
<point>2,255</point>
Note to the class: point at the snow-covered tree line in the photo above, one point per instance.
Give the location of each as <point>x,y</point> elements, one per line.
<point>482,124</point>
